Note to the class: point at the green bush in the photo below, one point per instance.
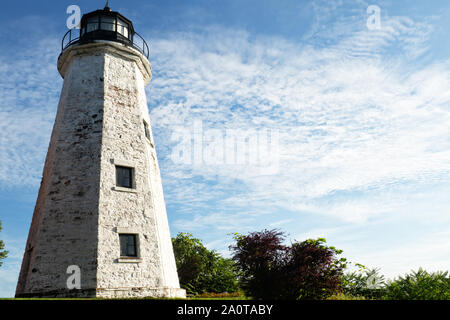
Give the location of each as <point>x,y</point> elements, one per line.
<point>201,270</point>
<point>419,285</point>
<point>364,283</point>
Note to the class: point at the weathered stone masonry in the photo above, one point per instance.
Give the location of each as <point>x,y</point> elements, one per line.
<point>80,211</point>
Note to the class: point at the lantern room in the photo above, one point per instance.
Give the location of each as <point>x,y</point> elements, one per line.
<point>105,24</point>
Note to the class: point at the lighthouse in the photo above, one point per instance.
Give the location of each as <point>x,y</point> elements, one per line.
<point>100,227</point>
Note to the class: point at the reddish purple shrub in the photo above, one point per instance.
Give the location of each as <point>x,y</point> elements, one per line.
<point>271,270</point>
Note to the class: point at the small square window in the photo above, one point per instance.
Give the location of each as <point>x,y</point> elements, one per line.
<point>124,177</point>
<point>128,245</point>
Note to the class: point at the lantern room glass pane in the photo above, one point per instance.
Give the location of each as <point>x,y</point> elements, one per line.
<point>108,23</point>
<point>122,28</point>
<point>92,24</point>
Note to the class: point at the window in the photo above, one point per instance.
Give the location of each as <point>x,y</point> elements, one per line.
<point>147,130</point>
<point>124,177</point>
<point>128,245</point>
<point>108,23</point>
<point>92,24</point>
<point>122,28</point>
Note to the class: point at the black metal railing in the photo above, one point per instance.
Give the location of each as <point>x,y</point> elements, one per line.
<point>141,45</point>
<point>69,39</point>
<point>136,40</point>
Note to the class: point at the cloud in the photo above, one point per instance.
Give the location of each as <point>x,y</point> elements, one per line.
<point>426,251</point>
<point>29,86</point>
<point>352,115</point>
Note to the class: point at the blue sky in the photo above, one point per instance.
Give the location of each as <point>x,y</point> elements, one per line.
<point>362,116</point>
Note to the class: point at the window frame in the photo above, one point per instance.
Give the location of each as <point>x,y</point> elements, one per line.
<point>128,230</point>
<point>108,21</point>
<point>122,25</point>
<point>120,180</point>
<point>124,163</point>
<point>135,238</point>
<point>90,22</point>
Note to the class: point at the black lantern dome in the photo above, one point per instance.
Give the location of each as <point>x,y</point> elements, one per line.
<point>106,25</point>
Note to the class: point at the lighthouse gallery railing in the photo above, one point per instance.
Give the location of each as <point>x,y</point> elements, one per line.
<point>138,43</point>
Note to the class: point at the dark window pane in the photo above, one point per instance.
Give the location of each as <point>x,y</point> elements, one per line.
<point>92,24</point>
<point>123,245</point>
<point>108,23</point>
<point>124,177</point>
<point>92,27</point>
<point>131,250</point>
<point>128,245</point>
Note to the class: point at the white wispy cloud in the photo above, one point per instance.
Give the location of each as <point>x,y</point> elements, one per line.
<point>351,115</point>
<point>29,87</point>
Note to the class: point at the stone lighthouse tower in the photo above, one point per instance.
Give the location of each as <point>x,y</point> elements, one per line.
<point>100,228</point>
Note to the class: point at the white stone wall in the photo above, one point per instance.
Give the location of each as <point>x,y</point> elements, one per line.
<point>169,269</point>
<point>65,220</point>
<point>80,212</point>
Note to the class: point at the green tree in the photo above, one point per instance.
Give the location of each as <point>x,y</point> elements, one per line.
<point>3,253</point>
<point>419,285</point>
<point>201,270</point>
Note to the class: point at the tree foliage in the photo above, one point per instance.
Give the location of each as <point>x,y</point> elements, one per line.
<point>419,285</point>
<point>313,269</point>
<point>201,270</point>
<point>3,253</point>
<point>272,270</point>
<point>367,283</point>
<point>266,268</point>
<point>259,257</point>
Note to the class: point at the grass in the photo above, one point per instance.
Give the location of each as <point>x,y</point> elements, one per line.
<point>219,296</point>
<point>203,296</point>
